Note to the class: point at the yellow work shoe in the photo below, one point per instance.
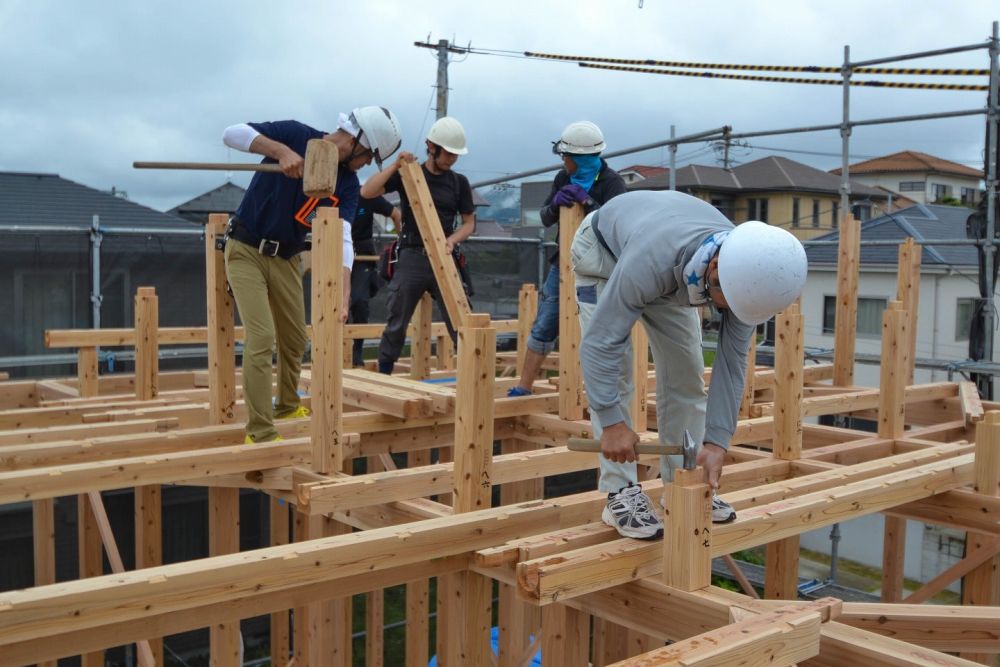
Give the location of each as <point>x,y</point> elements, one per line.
<point>250,441</point>
<point>297,413</point>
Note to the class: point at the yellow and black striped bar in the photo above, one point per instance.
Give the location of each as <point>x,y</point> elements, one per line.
<point>782,79</point>
<point>815,69</point>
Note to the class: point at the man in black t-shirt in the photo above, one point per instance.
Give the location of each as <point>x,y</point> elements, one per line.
<point>364,282</point>
<point>452,196</point>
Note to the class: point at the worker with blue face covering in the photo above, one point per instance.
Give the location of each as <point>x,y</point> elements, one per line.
<point>585,179</point>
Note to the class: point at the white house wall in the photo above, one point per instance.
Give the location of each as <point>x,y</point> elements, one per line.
<point>892,181</point>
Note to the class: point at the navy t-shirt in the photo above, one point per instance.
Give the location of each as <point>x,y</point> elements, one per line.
<point>275,207</point>
<point>450,192</point>
<point>362,231</point>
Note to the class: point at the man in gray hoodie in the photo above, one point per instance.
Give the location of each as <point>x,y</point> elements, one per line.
<point>655,256</point>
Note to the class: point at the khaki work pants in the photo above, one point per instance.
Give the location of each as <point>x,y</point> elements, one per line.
<point>268,292</point>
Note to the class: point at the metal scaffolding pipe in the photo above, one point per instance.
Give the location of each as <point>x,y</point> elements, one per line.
<point>921,54</point>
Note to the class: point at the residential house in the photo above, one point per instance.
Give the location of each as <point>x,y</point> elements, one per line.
<point>224,199</point>
<point>947,290</point>
<point>923,178</point>
<point>640,172</point>
<point>775,190</point>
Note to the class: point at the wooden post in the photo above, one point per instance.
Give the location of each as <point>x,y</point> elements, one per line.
<point>565,636</point>
<point>88,382</point>
<point>418,593</point>
<point>981,587</point>
<point>420,343</point>
<point>445,353</point>
<point>527,308</point>
<point>328,332</point>
<point>445,272</point>
<point>91,560</point>
<point>846,319</point>
<point>570,374</point>
<point>518,620</point>
<point>147,346</point>
<point>782,556</point>
<point>375,598</point>
<point>749,392</point>
<point>610,642</point>
<point>468,596</point>
<point>893,558</point>
<point>687,536</point>
<point>895,364</point>
<point>223,503</point>
<point>640,375</point>
<point>280,636</point>
<point>908,293</point>
<point>147,505</point>
<point>43,532</point>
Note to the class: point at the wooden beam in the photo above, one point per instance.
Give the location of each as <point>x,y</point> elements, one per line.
<point>527,308</point>
<point>788,390</point>
<point>43,533</point>
<point>571,398</point>
<point>442,264</point>
<point>893,558</point>
<point>565,636</point>
<point>420,340</point>
<point>895,362</point>
<point>90,559</point>
<point>279,630</point>
<point>687,531</point>
<point>782,637</point>
<point>147,348</point>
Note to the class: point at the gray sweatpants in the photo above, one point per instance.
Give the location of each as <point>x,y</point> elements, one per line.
<point>674,337</point>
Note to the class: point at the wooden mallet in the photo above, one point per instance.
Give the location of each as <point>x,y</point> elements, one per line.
<point>319,176</point>
<point>689,450</point>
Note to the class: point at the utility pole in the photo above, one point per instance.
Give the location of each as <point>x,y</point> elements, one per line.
<point>443,48</point>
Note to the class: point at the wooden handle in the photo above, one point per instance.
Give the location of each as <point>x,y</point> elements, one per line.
<point>591,445</point>
<point>212,166</point>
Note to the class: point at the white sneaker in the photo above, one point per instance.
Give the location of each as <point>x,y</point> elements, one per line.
<point>722,512</point>
<point>628,512</point>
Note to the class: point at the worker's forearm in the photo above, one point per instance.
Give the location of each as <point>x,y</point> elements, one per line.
<point>375,185</point>
<point>465,231</point>
<point>275,150</point>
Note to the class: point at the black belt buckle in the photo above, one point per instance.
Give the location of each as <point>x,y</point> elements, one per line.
<point>268,248</point>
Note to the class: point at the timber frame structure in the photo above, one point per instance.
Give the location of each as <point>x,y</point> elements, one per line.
<point>567,583</point>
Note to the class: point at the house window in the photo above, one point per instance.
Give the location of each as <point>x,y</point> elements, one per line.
<point>795,212</point>
<point>940,192</point>
<point>970,196</point>
<point>964,310</point>
<point>815,213</point>
<point>869,315</point>
<point>911,186</point>
<point>836,212</point>
<point>757,209</point>
<point>862,211</point>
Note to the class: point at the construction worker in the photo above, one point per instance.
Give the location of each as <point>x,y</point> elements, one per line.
<point>364,281</point>
<point>585,179</point>
<point>267,235</point>
<point>656,256</point>
<point>452,196</point>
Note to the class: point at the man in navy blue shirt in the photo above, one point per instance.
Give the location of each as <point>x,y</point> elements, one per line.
<point>266,237</point>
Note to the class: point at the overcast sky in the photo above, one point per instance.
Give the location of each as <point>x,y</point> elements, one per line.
<point>86,88</point>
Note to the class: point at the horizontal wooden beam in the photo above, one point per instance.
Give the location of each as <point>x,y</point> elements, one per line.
<point>39,483</point>
<point>962,509</point>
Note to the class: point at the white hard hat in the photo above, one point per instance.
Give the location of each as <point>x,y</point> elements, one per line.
<point>762,269</point>
<point>379,131</point>
<point>580,138</point>
<point>449,134</point>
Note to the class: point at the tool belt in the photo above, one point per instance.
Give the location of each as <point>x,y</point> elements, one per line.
<point>266,247</point>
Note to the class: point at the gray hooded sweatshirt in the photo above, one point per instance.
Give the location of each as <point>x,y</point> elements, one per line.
<point>653,235</point>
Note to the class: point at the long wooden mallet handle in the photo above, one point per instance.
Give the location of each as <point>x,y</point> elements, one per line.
<point>591,445</point>
<point>211,166</point>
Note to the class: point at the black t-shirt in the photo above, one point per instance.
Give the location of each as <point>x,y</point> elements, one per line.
<point>451,194</point>
<point>361,228</point>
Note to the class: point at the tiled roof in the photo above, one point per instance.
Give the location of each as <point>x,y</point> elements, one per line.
<point>772,173</point>
<point>645,170</point>
<point>906,161</point>
<point>48,199</point>
<point>224,199</point>
<point>919,222</point>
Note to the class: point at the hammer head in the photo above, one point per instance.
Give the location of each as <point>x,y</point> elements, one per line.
<point>319,177</point>
<point>690,450</point>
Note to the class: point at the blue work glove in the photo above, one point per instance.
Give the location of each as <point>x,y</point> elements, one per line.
<point>570,194</point>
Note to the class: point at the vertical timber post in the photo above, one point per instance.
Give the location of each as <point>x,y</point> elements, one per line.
<point>223,503</point>
<point>846,318</point>
<point>420,342</point>
<point>43,531</point>
<point>687,531</point>
<point>527,306</point>
<point>147,502</point>
<point>782,556</point>
<point>570,374</point>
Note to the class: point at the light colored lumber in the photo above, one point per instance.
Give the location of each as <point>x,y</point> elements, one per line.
<point>442,264</point>
<point>420,339</point>
<point>571,398</point>
<point>788,364</point>
<point>972,404</point>
<point>846,319</point>
<point>893,558</point>
<point>782,637</point>
<point>527,308</point>
<point>327,308</point>
<point>147,347</point>
<point>280,637</point>
<point>565,633</point>
<point>893,375</point>
<point>687,531</point>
